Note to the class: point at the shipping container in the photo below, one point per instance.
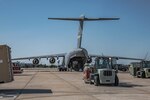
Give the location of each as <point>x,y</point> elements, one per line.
<point>6,73</point>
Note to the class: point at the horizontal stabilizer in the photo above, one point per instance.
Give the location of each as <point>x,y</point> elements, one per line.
<point>84,19</point>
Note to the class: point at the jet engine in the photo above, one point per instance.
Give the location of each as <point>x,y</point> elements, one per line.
<point>35,61</point>
<point>52,60</point>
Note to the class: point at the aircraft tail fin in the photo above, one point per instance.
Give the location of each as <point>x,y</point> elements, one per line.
<point>146,56</point>
<point>81,22</point>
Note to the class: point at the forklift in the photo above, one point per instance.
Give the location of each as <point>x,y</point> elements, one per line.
<point>102,72</point>
<point>140,69</point>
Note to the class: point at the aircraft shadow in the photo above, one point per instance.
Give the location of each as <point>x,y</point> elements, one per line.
<point>25,91</point>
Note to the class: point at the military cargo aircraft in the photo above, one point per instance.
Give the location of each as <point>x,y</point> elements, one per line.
<point>74,59</point>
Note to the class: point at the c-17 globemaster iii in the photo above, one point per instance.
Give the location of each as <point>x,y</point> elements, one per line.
<point>74,59</point>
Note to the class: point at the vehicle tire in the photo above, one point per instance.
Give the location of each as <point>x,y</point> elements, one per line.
<point>91,82</point>
<point>137,74</point>
<point>125,70</point>
<point>143,74</point>
<point>96,80</point>
<point>116,81</point>
<point>91,78</point>
<point>86,82</point>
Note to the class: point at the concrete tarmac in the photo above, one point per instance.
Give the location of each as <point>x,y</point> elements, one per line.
<point>49,84</point>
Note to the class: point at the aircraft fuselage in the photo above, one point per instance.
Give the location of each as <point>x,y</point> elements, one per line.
<point>76,59</point>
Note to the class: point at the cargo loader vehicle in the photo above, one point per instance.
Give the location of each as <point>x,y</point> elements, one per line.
<point>140,69</point>
<point>101,72</point>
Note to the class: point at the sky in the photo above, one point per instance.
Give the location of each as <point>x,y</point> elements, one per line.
<point>24,26</point>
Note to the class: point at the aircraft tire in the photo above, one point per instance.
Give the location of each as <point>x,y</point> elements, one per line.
<point>65,69</point>
<point>59,69</point>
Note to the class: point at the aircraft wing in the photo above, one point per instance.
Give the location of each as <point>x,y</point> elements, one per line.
<point>117,57</point>
<point>39,57</point>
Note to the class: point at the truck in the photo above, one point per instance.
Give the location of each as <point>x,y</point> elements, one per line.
<point>101,72</point>
<point>16,68</point>
<point>140,69</point>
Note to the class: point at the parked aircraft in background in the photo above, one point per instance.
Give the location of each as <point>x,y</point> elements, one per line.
<point>74,59</point>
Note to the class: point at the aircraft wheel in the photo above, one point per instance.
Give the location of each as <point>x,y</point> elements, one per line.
<point>59,69</point>
<point>65,69</point>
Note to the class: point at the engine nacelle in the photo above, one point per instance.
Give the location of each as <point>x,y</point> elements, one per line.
<point>52,60</point>
<point>89,60</point>
<point>35,61</point>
